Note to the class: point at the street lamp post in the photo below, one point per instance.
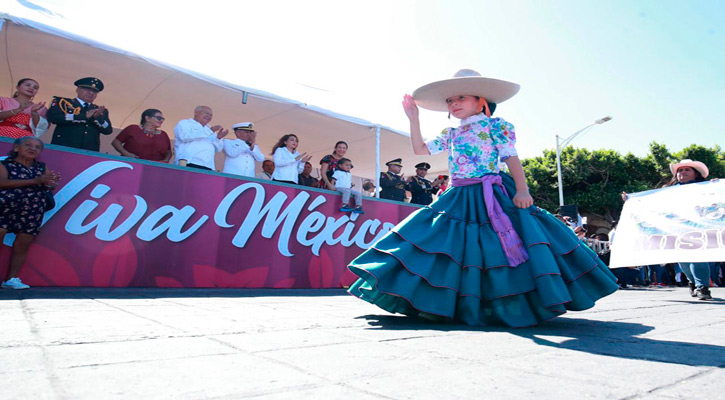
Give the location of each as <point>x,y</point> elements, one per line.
<point>560,144</point>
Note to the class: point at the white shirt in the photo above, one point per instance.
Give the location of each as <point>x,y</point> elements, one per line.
<point>195,143</point>
<point>286,167</point>
<point>342,179</point>
<point>240,158</point>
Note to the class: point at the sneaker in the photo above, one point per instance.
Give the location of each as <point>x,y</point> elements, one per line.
<point>15,283</point>
<point>346,208</point>
<point>358,210</point>
<point>692,289</point>
<point>703,293</point>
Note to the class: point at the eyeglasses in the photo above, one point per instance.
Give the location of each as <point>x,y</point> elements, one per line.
<point>160,118</point>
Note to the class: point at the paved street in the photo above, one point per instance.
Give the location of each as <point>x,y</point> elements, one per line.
<point>58,343</point>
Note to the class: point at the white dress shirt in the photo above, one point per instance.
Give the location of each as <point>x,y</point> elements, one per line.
<point>195,143</point>
<point>240,158</point>
<point>286,167</point>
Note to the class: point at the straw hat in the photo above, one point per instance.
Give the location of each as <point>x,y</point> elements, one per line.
<point>701,167</point>
<point>465,82</point>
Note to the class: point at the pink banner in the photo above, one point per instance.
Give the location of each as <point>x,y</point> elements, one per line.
<point>122,223</point>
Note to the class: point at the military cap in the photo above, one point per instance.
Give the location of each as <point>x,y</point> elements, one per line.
<point>397,161</point>
<point>245,126</point>
<point>90,83</point>
<point>423,165</point>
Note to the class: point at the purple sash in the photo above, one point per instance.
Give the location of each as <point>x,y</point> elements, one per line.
<point>511,243</point>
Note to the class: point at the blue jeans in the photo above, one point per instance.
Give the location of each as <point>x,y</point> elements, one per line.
<point>657,274</point>
<point>697,273</point>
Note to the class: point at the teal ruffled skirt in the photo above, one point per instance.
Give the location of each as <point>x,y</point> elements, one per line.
<point>445,262</point>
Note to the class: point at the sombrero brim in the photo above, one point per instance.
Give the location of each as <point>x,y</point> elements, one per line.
<point>701,167</point>
<point>433,95</point>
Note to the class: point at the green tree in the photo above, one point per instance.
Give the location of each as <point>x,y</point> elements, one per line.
<point>594,180</point>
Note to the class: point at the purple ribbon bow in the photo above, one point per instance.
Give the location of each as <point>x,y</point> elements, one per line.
<point>511,243</point>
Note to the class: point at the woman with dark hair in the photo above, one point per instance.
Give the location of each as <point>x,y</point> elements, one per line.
<point>145,141</point>
<point>19,116</point>
<point>328,165</point>
<point>288,162</point>
<point>23,181</point>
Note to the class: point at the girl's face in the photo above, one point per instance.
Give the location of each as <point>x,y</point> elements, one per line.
<point>346,166</point>
<point>462,106</point>
<point>291,142</point>
<point>685,174</point>
<point>28,88</point>
<point>340,150</point>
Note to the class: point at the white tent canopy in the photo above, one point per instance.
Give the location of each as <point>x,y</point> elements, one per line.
<point>133,83</point>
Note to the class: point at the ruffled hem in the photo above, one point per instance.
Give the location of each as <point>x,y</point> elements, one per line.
<point>446,260</point>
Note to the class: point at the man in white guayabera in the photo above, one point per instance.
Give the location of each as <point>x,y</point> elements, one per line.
<point>195,142</point>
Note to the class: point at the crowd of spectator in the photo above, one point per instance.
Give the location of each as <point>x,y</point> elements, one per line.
<point>80,122</point>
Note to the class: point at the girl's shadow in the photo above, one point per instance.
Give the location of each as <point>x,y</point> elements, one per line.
<point>609,338</point>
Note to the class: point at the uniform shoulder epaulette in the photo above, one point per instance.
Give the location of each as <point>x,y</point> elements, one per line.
<point>66,105</point>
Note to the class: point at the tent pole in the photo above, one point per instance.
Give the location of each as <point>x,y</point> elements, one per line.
<point>377,161</point>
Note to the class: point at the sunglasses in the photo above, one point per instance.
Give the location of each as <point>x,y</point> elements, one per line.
<point>160,118</point>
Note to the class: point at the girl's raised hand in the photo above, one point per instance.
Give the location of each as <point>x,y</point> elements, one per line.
<point>523,200</point>
<point>411,109</point>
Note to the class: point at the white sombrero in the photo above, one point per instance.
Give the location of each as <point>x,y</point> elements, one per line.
<point>701,167</point>
<point>465,82</point>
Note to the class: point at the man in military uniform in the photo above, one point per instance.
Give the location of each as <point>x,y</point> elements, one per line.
<point>392,185</point>
<point>420,188</point>
<point>79,122</point>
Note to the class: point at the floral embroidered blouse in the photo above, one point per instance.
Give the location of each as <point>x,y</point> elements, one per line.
<point>475,147</point>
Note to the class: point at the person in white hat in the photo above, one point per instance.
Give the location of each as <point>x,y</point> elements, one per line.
<point>481,253</point>
<point>242,151</point>
<point>698,273</point>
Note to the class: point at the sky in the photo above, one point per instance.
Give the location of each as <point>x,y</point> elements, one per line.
<point>656,67</point>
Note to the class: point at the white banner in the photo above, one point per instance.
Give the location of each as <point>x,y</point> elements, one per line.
<point>675,224</point>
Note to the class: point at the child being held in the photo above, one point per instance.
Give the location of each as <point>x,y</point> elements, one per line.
<point>342,179</point>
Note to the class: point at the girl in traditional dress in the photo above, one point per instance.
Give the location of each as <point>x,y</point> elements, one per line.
<point>481,253</point>
<point>19,116</point>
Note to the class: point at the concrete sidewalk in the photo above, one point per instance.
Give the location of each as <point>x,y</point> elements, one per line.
<point>324,344</point>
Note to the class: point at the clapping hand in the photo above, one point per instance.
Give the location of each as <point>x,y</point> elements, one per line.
<point>303,157</point>
<point>96,112</point>
<point>49,178</point>
<point>37,106</point>
<point>221,133</point>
